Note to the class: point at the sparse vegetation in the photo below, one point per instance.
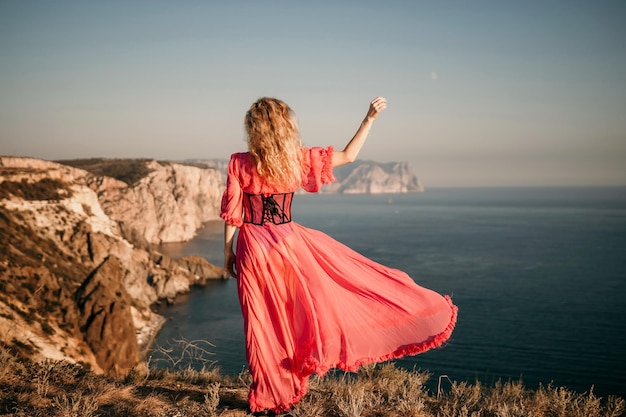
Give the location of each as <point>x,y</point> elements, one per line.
<point>53,388</point>
<point>129,171</point>
<point>182,352</point>
<point>43,263</point>
<point>46,189</point>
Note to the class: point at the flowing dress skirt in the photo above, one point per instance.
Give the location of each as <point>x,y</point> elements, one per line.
<point>310,303</point>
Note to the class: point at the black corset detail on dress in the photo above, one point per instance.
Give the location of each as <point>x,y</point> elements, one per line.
<point>260,209</point>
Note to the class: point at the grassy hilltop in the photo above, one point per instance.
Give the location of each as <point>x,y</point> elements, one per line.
<point>53,388</point>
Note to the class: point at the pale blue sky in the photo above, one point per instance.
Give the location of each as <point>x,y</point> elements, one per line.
<point>480,93</point>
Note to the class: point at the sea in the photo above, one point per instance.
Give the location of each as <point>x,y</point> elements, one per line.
<point>538,274</point>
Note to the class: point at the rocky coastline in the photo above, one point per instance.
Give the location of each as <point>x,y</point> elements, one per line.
<point>79,272</point>
<point>78,275</point>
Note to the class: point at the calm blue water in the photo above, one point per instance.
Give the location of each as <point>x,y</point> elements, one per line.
<point>538,274</point>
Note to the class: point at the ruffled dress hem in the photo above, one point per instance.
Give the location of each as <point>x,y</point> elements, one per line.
<point>312,365</point>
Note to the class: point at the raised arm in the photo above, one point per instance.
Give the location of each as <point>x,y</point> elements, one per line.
<point>353,147</point>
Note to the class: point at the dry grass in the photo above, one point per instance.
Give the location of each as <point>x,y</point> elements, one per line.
<point>52,388</point>
<point>46,189</point>
<point>130,171</point>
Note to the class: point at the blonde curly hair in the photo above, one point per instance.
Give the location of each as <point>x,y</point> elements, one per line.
<point>274,141</point>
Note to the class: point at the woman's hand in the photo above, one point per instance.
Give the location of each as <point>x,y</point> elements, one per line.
<point>376,106</point>
<point>355,144</point>
<point>229,262</point>
<point>229,254</point>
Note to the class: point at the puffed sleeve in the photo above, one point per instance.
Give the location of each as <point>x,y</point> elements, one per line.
<point>317,164</point>
<point>232,207</point>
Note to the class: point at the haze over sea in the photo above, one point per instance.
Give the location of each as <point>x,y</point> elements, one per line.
<point>538,274</point>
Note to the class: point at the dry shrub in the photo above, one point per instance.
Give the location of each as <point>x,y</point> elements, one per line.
<point>511,399</point>
<point>212,398</point>
<point>375,391</point>
<point>355,402</point>
<point>139,374</point>
<point>154,375</point>
<point>76,404</point>
<point>463,399</point>
<point>244,378</point>
<point>202,377</point>
<point>562,402</point>
<point>615,407</point>
<point>179,353</point>
<point>507,400</point>
<point>310,406</point>
<point>402,390</point>
<point>10,368</point>
<point>113,395</point>
<point>151,406</point>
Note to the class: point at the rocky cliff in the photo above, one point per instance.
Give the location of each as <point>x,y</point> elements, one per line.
<point>360,177</point>
<point>77,279</point>
<point>368,177</point>
<point>158,201</point>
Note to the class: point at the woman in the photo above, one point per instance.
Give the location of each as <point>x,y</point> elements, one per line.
<point>310,303</point>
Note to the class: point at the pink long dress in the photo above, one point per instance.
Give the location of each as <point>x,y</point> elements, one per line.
<point>310,303</point>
